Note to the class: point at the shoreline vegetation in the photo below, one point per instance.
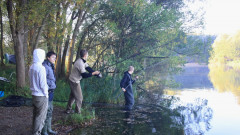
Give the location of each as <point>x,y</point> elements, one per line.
<point>62,120</point>
<point>61,94</point>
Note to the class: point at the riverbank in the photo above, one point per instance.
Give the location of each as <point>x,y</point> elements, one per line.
<point>18,121</point>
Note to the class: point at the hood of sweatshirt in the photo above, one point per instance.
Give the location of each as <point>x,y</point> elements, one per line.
<point>126,72</point>
<point>38,55</point>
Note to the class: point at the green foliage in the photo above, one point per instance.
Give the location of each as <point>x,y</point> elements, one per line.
<point>9,88</point>
<point>226,49</point>
<point>62,91</point>
<point>94,89</point>
<point>101,89</point>
<point>197,48</point>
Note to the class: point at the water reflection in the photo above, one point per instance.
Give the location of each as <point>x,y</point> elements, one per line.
<point>169,117</point>
<point>143,120</point>
<point>194,76</point>
<point>128,123</point>
<point>195,117</point>
<point>225,79</point>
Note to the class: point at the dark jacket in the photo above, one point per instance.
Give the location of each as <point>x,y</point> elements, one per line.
<point>51,79</point>
<point>126,80</point>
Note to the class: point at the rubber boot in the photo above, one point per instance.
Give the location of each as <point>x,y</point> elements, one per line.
<point>49,127</point>
<point>44,130</point>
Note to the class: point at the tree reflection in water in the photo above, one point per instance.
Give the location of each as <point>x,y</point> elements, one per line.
<point>195,117</point>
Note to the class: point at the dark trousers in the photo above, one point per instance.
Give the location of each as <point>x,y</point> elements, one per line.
<point>129,99</point>
<point>75,95</point>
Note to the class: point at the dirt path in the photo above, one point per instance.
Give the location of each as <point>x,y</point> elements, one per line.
<point>18,120</point>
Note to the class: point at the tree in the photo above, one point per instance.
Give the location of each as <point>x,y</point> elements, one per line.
<point>1,40</point>
<point>26,27</point>
<point>81,16</point>
<point>17,30</point>
<point>116,33</point>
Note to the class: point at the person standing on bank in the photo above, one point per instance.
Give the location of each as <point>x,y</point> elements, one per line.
<point>126,86</point>
<point>51,81</point>
<point>39,87</point>
<point>79,71</point>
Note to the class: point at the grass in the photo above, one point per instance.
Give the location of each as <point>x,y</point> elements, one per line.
<point>87,115</point>
<point>60,104</point>
<point>9,88</point>
<point>62,92</point>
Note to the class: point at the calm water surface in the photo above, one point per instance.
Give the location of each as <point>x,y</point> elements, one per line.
<point>206,103</point>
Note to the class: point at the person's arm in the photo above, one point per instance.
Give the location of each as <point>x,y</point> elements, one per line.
<point>47,74</point>
<point>86,75</point>
<point>89,69</point>
<point>83,71</point>
<point>133,81</point>
<point>123,82</point>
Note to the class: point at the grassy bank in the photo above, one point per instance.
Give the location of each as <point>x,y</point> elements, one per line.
<point>104,90</point>
<point>86,116</point>
<point>9,88</point>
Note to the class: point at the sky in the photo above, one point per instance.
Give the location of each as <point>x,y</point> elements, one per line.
<point>222,17</point>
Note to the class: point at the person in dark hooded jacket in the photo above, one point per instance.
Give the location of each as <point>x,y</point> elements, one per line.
<point>51,81</point>
<point>126,86</point>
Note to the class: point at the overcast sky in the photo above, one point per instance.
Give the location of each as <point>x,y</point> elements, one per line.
<point>222,16</point>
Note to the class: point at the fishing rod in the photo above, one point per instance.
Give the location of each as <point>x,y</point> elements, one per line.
<point>121,92</point>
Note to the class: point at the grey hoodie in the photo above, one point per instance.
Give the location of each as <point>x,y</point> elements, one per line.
<point>37,74</point>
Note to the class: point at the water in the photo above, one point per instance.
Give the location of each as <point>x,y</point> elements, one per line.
<point>221,92</point>
<point>206,103</point>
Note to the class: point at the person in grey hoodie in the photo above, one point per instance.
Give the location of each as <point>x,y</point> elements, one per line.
<point>39,87</point>
<point>51,81</point>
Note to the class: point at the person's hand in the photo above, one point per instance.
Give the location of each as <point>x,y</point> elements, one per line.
<point>136,77</point>
<point>123,89</point>
<point>95,73</point>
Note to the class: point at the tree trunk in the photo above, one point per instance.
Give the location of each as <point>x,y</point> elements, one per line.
<point>58,64</point>
<point>61,27</point>
<point>62,68</point>
<point>25,47</point>
<point>75,33</point>
<point>17,30</point>
<point>1,43</point>
<point>49,36</point>
<point>64,56</point>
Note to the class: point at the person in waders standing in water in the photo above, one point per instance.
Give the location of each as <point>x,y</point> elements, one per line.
<point>126,86</point>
